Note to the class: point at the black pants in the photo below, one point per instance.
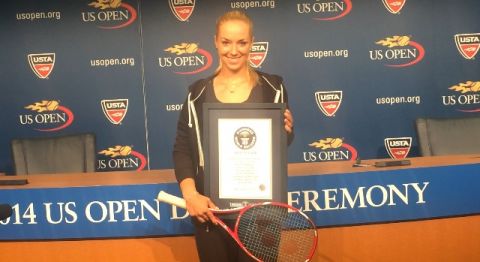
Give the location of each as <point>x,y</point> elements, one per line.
<point>214,244</point>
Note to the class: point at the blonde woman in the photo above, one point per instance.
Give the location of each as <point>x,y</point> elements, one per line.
<point>235,81</point>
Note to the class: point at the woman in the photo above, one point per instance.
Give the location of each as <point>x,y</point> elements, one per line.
<point>233,82</point>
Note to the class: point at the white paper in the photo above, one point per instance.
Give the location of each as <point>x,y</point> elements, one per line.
<point>245,158</point>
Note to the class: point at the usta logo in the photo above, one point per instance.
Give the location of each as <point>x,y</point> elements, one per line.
<point>398,147</point>
<point>329,101</point>
<point>394,6</point>
<point>182,9</point>
<point>325,10</point>
<point>468,44</point>
<point>42,64</point>
<point>115,110</point>
<point>258,53</point>
<point>398,48</point>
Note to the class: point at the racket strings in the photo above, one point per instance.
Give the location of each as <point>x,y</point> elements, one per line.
<point>272,233</point>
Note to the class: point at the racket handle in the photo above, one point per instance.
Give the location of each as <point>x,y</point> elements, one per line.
<point>171,199</point>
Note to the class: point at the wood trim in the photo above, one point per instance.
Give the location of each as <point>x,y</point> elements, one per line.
<point>452,239</point>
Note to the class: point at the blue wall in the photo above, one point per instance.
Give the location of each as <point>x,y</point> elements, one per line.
<point>317,46</point>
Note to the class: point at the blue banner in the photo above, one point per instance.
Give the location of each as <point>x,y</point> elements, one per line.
<point>348,66</point>
<point>388,196</point>
<point>330,200</point>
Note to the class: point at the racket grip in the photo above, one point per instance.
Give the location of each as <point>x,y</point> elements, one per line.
<point>171,199</point>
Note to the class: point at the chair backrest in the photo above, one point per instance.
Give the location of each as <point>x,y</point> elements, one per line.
<point>448,136</point>
<point>63,154</point>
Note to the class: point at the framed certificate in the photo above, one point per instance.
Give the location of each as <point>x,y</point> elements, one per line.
<point>245,153</point>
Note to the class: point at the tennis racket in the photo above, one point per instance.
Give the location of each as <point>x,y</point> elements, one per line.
<point>266,231</point>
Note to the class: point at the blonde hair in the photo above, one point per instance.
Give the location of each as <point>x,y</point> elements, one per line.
<point>234,15</point>
<point>239,16</point>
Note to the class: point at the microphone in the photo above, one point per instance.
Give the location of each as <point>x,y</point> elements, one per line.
<point>5,211</point>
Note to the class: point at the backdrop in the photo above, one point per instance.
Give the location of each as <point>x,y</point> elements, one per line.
<point>358,73</point>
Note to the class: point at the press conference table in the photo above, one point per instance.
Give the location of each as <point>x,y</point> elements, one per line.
<point>447,239</point>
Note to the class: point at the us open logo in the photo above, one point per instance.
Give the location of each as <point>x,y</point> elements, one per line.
<point>121,157</point>
<point>330,149</point>
<point>42,64</point>
<point>399,51</point>
<point>110,14</point>
<point>182,9</point>
<point>468,44</point>
<point>258,53</point>
<point>329,101</point>
<point>188,59</point>
<point>325,10</point>
<point>245,138</point>
<point>467,97</point>
<point>115,110</point>
<point>394,6</point>
<point>398,147</point>
<point>48,116</point>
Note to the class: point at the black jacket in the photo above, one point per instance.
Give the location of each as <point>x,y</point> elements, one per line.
<point>188,152</point>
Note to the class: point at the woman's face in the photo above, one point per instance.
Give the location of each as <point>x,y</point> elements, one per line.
<point>233,42</point>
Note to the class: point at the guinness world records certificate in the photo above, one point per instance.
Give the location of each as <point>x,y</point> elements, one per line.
<point>245,162</point>
<point>245,153</point>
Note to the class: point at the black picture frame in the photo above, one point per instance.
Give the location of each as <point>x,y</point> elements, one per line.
<point>274,113</point>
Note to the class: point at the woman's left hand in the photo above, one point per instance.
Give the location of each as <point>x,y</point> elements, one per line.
<point>288,121</point>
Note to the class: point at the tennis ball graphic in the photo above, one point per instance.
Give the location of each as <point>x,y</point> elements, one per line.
<point>52,105</point>
<point>403,40</point>
<point>191,48</point>
<point>125,150</point>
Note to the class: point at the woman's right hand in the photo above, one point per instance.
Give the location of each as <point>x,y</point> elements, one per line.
<point>198,206</point>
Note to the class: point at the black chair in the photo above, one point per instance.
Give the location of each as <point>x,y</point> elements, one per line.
<point>448,136</point>
<point>62,154</point>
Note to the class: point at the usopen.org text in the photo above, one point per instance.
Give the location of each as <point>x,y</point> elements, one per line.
<point>106,62</point>
<point>319,54</point>
<point>398,100</point>
<point>38,15</point>
<point>253,4</point>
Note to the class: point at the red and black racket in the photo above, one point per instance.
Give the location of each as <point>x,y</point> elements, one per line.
<point>266,231</point>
